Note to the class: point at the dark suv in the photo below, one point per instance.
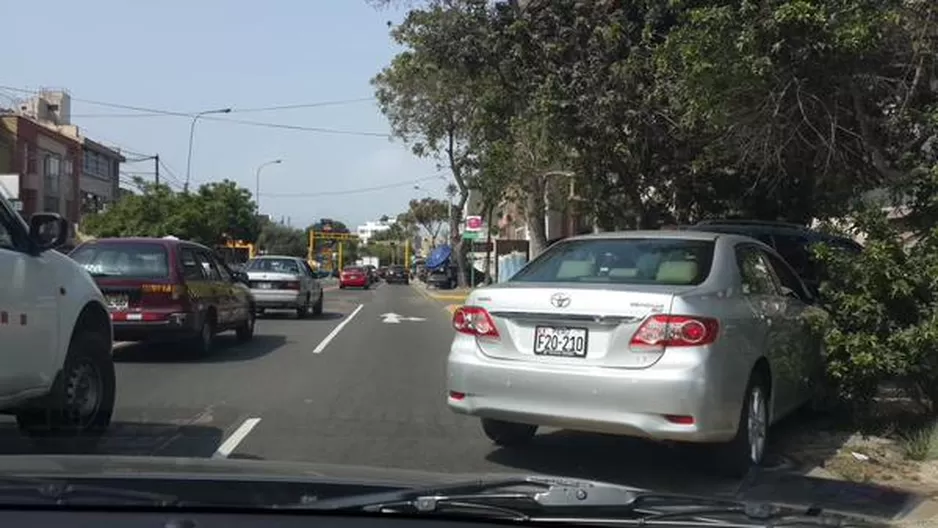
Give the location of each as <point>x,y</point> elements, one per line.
<point>791,241</point>
<point>159,288</point>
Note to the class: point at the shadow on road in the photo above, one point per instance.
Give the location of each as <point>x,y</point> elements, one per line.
<point>689,469</point>
<point>227,349</point>
<point>286,316</point>
<point>123,438</point>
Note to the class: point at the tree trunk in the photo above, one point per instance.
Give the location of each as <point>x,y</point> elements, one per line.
<point>488,244</point>
<point>459,248</point>
<point>535,212</point>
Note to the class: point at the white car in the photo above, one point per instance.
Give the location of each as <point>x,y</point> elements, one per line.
<point>56,370</point>
<point>284,283</point>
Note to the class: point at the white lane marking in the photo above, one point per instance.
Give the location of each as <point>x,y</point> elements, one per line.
<point>231,443</point>
<point>335,331</point>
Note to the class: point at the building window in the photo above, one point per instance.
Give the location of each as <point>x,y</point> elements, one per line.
<point>50,204</point>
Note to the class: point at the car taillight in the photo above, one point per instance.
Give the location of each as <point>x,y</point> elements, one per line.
<point>676,331</point>
<point>291,285</point>
<point>474,320</point>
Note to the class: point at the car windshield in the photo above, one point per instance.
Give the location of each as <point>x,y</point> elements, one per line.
<point>476,237</point>
<point>623,261</point>
<point>125,260</point>
<point>273,265</point>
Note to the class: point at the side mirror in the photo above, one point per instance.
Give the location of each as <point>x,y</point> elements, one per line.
<point>48,230</point>
<point>240,276</point>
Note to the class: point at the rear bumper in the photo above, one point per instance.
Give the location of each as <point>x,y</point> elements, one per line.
<point>397,280</point>
<point>631,402</point>
<point>354,284</point>
<point>274,299</point>
<point>176,326</point>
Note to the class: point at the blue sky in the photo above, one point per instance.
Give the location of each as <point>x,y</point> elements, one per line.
<point>194,55</point>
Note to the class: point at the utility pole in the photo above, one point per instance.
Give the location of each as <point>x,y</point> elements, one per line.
<point>156,167</point>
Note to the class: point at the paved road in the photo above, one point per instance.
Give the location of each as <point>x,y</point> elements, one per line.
<point>347,388</point>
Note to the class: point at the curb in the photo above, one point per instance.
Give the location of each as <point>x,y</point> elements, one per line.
<point>447,307</point>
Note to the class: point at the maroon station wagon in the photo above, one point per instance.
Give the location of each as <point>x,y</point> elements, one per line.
<point>160,288</point>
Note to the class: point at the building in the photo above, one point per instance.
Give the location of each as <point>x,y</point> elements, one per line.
<point>42,167</point>
<point>100,166</point>
<point>368,229</point>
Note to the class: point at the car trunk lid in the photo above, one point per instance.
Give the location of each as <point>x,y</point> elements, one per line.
<point>579,325</point>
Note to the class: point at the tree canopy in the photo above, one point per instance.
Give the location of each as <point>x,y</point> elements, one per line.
<point>216,213</point>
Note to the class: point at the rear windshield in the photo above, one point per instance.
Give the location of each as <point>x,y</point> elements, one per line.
<point>623,261</point>
<point>397,268</point>
<point>352,270</point>
<point>138,261</point>
<point>274,265</point>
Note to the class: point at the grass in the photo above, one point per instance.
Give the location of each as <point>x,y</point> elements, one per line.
<point>920,444</point>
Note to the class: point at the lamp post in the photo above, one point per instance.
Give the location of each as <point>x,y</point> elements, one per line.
<point>195,119</point>
<point>257,184</point>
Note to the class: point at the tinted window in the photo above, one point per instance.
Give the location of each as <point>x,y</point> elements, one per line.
<point>274,265</point>
<point>786,276</point>
<point>143,260</point>
<point>623,261</point>
<point>191,268</point>
<point>754,272</point>
<point>794,249</point>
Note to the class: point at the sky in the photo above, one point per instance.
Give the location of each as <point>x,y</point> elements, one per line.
<point>189,56</point>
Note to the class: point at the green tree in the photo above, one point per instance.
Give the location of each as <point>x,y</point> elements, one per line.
<point>279,239</point>
<point>429,101</point>
<point>216,213</point>
<point>430,214</point>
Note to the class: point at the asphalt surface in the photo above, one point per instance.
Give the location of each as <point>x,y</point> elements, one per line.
<point>349,388</point>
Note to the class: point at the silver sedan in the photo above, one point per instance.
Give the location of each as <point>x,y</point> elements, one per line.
<point>284,282</point>
<point>668,335</point>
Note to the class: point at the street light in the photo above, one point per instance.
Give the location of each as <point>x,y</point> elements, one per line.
<point>257,184</point>
<point>195,119</point>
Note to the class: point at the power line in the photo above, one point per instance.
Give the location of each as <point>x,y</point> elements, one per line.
<point>157,111</point>
<point>237,110</point>
<point>349,191</point>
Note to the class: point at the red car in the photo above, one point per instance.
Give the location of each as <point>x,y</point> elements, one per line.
<point>354,277</point>
<point>166,288</point>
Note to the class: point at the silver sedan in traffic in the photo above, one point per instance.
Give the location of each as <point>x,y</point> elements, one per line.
<point>284,282</point>
<point>669,335</point>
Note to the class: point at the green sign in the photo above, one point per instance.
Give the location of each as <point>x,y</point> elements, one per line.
<point>470,235</point>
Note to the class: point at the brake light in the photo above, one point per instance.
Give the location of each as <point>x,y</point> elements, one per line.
<point>474,320</point>
<point>676,331</point>
<point>291,285</point>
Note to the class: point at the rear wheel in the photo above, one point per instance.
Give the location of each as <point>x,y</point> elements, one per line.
<point>203,343</point>
<point>303,310</point>
<point>508,434</point>
<point>81,402</point>
<point>317,308</point>
<point>245,330</point>
<point>747,449</point>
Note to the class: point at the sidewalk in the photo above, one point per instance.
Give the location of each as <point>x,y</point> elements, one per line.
<point>449,299</point>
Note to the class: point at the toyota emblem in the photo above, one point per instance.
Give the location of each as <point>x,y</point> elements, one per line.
<point>560,300</point>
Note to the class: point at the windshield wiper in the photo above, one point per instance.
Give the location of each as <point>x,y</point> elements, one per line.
<point>561,500</point>
<point>67,494</point>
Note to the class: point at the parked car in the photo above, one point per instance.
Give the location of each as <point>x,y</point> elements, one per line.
<point>56,334</point>
<point>166,288</point>
<point>792,241</point>
<point>671,335</point>
<point>354,277</point>
<point>284,282</point>
<point>397,275</point>
<point>382,272</point>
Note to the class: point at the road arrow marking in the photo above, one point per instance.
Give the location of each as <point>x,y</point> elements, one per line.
<point>393,318</point>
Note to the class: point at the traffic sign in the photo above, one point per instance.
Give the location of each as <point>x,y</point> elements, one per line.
<point>473,223</point>
<point>471,235</point>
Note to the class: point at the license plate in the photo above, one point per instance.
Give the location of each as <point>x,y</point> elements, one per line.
<point>265,286</point>
<point>560,341</point>
<point>117,302</point>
